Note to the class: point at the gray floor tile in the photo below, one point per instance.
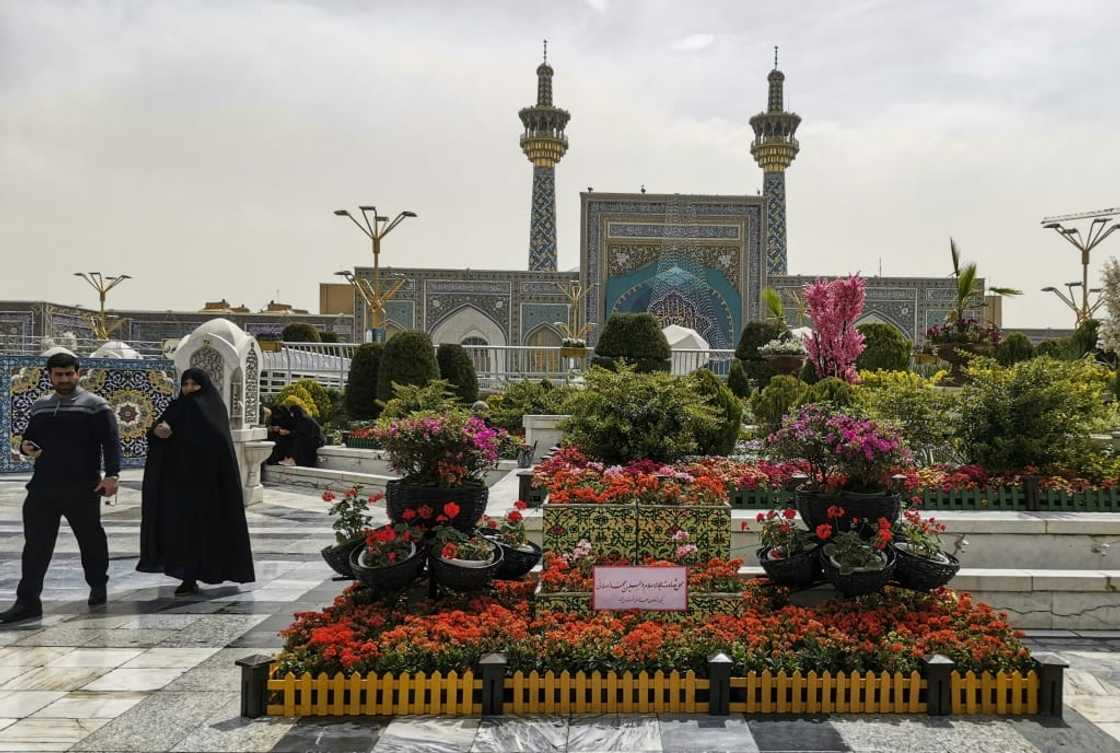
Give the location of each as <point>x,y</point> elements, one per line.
<point>157,723</point>
<point>686,732</point>
<point>227,731</point>
<point>332,735</point>
<point>773,734</point>
<point>614,732</point>
<point>544,734</point>
<point>428,734</point>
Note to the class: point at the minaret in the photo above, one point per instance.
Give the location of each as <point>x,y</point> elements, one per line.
<point>544,143</point>
<point>774,148</point>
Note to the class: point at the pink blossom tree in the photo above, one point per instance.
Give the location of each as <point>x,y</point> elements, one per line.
<point>835,344</point>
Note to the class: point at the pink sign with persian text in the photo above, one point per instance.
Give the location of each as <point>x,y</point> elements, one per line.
<point>659,589</point>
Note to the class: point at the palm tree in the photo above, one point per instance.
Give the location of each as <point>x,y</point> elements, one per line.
<point>967,285</point>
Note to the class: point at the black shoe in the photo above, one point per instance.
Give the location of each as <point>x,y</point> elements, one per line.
<point>97,596</point>
<point>18,612</point>
<point>186,588</point>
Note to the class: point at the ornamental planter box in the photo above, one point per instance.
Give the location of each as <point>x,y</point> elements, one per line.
<point>359,443</point>
<point>708,529</point>
<point>994,498</point>
<point>700,603</point>
<point>609,528</point>
<point>759,499</point>
<point>1099,500</point>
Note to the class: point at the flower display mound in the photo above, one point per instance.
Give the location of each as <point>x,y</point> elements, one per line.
<point>887,632</point>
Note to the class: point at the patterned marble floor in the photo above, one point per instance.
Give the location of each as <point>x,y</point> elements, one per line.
<point>150,672</point>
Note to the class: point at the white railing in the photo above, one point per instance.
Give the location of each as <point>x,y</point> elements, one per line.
<point>326,363</point>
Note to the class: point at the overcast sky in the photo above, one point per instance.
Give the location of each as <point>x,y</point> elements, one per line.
<point>201,146</point>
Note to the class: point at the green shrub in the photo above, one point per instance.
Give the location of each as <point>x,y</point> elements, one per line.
<point>926,417</point>
<point>737,380</point>
<point>434,397</point>
<point>409,358</point>
<point>455,366</point>
<point>329,336</point>
<point>808,373</point>
<point>1059,348</point>
<point>1014,348</point>
<point>299,392</point>
<point>756,334</point>
<point>361,385</point>
<point>520,399</point>
<point>884,348</point>
<point>1083,341</point>
<point>318,395</point>
<point>307,406</point>
<point>829,390</point>
<point>300,332</point>
<point>1116,384</point>
<point>338,418</point>
<point>625,416</point>
<point>721,439</point>
<point>1036,413</point>
<point>634,338</point>
<point>771,404</point>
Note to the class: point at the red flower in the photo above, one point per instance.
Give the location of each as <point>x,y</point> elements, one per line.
<point>520,504</point>
<point>760,517</point>
<point>824,532</point>
<point>449,551</point>
<point>835,511</point>
<point>451,510</point>
<point>375,498</point>
<point>491,523</point>
<point>328,496</point>
<point>789,513</point>
<point>384,535</point>
<point>514,516</point>
<point>744,526</point>
<point>441,518</point>
<point>408,513</point>
<point>425,512</point>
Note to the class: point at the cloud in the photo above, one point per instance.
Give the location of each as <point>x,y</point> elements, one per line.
<point>693,42</point>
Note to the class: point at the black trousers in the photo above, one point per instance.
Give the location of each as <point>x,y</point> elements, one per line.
<point>42,512</point>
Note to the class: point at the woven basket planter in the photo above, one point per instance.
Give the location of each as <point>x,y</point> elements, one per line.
<point>338,556</point>
<point>920,573</point>
<point>392,578</point>
<point>813,507</point>
<point>802,570</point>
<point>858,583</point>
<point>516,563</point>
<point>471,499</point>
<point>461,578</point>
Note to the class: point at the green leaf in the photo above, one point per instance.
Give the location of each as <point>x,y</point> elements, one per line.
<point>1005,291</point>
<point>956,254</point>
<point>774,305</point>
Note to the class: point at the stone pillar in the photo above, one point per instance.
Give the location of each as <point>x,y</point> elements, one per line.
<point>544,431</point>
<point>232,359</point>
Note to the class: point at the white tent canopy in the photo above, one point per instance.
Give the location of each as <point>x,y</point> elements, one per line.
<point>685,339</point>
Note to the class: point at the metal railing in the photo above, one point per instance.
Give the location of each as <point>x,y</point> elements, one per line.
<point>23,345</point>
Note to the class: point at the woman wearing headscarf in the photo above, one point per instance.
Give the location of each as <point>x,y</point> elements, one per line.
<point>307,438</point>
<point>193,515</point>
<point>280,432</point>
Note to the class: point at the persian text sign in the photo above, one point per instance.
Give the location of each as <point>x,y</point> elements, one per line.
<point>650,588</point>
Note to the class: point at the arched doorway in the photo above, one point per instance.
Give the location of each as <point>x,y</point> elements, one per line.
<point>482,338</point>
<point>543,364</point>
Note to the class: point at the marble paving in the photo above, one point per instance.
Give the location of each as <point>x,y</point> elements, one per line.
<point>152,672</point>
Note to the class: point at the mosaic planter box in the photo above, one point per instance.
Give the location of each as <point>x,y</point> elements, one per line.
<point>610,529</point>
<point>708,528</point>
<point>699,603</point>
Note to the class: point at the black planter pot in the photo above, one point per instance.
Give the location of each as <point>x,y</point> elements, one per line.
<point>799,571</point>
<point>921,574</point>
<point>471,499</point>
<point>338,556</point>
<point>859,583</point>
<point>392,578</point>
<point>516,563</point>
<point>459,578</point>
<point>813,508</point>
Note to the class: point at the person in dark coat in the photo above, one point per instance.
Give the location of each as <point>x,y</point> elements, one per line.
<point>193,515</point>
<point>307,438</point>
<point>280,432</point>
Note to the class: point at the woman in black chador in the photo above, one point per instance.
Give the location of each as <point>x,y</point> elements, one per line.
<point>307,438</point>
<point>280,432</point>
<point>193,516</point>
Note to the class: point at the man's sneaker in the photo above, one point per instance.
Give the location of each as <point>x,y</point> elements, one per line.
<point>18,612</point>
<point>97,596</point>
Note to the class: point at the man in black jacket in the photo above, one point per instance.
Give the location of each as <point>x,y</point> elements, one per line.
<point>69,432</point>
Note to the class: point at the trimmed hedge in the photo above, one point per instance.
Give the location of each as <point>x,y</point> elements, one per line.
<point>455,366</point>
<point>637,340</point>
<point>721,439</point>
<point>409,358</point>
<point>771,404</point>
<point>300,332</point>
<point>737,380</point>
<point>754,336</point>
<point>884,348</point>
<point>361,386</point>
<point>1015,347</point>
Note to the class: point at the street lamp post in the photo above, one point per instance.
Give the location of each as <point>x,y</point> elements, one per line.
<point>1099,228</point>
<point>100,325</point>
<point>371,292</point>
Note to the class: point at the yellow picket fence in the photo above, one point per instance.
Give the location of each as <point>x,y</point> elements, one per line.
<point>1006,693</point>
<point>870,693</point>
<point>373,695</point>
<point>596,693</point>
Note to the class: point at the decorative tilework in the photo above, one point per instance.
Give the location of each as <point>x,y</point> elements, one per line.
<point>402,313</point>
<point>137,391</point>
<point>625,258</point>
<point>252,388</point>
<point>17,324</point>
<point>542,222</point>
<point>473,287</point>
<point>210,361</point>
<point>651,230</point>
<point>535,314</point>
<point>774,191</point>
<point>708,529</point>
<point>609,528</point>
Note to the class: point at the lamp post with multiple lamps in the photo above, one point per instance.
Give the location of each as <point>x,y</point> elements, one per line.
<point>102,328</point>
<point>1100,228</point>
<point>371,291</point>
